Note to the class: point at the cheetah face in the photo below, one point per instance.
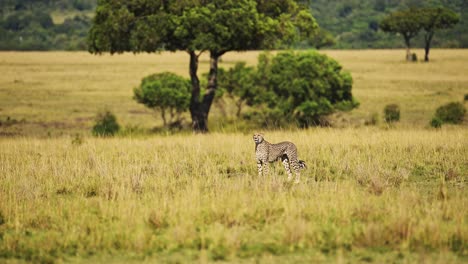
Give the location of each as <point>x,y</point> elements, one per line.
<point>258,138</point>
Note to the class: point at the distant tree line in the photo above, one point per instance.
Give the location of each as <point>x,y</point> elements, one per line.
<point>356,23</point>
<point>28,24</point>
<point>343,24</point>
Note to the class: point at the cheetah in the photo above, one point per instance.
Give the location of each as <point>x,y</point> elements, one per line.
<point>285,151</point>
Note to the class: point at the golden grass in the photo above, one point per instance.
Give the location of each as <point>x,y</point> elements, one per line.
<point>63,91</point>
<point>368,195</point>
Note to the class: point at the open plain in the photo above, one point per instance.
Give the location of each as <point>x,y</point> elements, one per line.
<point>371,193</point>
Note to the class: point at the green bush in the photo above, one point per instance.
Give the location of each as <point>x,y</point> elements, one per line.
<point>451,113</point>
<point>303,87</point>
<point>167,92</point>
<point>106,124</point>
<point>466,97</point>
<point>392,113</point>
<point>436,122</point>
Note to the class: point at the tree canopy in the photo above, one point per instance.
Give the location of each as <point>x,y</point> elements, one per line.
<point>217,26</point>
<point>405,22</point>
<point>433,19</point>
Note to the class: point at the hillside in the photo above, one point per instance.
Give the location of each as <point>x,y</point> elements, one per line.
<point>63,24</point>
<point>45,24</point>
<point>355,23</point>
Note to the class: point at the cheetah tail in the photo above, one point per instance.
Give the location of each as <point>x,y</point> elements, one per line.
<point>302,164</point>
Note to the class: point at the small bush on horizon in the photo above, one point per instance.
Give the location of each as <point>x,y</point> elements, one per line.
<point>452,113</point>
<point>392,113</point>
<point>106,125</point>
<point>436,122</point>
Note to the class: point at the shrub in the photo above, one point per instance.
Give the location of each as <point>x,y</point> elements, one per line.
<point>304,86</point>
<point>166,92</point>
<point>451,113</point>
<point>392,113</point>
<point>466,97</point>
<point>436,122</point>
<point>106,124</point>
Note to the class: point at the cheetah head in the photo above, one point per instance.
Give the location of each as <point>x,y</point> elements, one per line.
<point>258,138</point>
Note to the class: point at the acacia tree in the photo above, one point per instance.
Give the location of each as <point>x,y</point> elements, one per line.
<point>433,19</point>
<point>406,23</point>
<point>197,26</point>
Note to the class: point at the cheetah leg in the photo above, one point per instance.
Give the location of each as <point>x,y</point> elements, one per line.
<point>259,167</point>
<point>298,177</point>
<point>286,167</point>
<point>296,167</point>
<point>265,168</point>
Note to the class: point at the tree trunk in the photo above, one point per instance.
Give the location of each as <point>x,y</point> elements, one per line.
<point>197,117</point>
<point>163,116</point>
<point>239,108</point>
<point>409,57</point>
<point>427,46</point>
<point>199,109</point>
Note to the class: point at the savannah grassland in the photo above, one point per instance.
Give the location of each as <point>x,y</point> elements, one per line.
<point>370,193</point>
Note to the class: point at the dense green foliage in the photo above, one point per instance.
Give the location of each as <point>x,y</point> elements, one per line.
<point>239,83</point>
<point>29,25</point>
<point>436,122</point>
<point>354,24</point>
<point>214,26</point>
<point>106,124</point>
<point>166,92</point>
<point>305,86</point>
<point>392,113</point>
<point>300,87</point>
<point>451,113</point>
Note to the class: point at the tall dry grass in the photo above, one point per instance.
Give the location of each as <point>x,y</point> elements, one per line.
<point>368,195</point>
